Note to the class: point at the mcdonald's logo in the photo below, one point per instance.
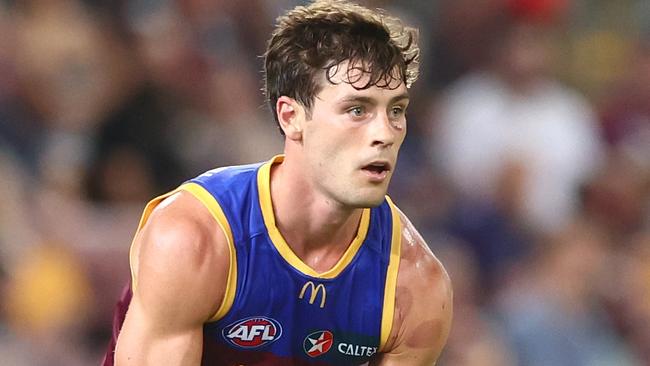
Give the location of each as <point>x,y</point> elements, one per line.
<point>314,292</point>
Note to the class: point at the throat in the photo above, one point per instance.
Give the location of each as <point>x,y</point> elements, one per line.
<point>322,245</point>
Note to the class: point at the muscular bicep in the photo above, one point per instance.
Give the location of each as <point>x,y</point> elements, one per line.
<point>177,289</point>
<point>423,306</point>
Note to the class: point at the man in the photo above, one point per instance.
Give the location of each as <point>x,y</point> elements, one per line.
<point>303,259</point>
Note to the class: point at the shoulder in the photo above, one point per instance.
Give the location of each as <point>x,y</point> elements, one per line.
<point>423,300</point>
<point>181,255</point>
<point>181,226</point>
<point>419,267</point>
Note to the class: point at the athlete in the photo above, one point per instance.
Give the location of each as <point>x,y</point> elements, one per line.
<point>303,259</point>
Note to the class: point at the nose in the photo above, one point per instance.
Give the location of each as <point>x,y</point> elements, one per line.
<point>384,131</point>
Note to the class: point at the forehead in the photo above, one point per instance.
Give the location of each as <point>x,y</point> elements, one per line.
<point>346,78</point>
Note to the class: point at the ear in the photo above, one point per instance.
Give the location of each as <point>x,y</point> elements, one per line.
<point>291,116</point>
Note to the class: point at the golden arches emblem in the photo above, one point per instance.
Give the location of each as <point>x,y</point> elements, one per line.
<point>315,290</point>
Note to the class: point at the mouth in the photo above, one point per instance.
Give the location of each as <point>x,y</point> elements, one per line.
<point>377,170</point>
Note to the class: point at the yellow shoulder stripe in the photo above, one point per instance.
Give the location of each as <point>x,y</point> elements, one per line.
<point>388,312</point>
<point>215,209</point>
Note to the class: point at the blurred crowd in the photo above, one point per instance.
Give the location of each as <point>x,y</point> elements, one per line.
<point>526,167</point>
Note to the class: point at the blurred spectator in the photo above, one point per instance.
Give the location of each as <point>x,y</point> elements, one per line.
<point>69,68</point>
<point>516,144</point>
<point>551,310</point>
<point>512,136</point>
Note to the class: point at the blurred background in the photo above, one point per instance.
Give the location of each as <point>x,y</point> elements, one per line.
<point>526,167</point>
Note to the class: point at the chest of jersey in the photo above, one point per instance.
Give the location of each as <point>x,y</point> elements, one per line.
<point>288,315</point>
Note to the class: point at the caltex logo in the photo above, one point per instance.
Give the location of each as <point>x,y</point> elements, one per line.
<point>318,343</point>
<point>253,332</point>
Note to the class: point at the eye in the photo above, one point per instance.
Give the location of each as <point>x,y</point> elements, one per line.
<point>357,111</point>
<point>396,112</point>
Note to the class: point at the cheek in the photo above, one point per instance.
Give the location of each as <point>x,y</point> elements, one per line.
<point>321,149</point>
<point>329,140</point>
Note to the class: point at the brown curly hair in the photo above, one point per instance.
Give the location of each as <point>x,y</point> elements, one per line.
<point>310,40</point>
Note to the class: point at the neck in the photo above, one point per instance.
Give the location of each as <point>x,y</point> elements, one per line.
<point>317,228</point>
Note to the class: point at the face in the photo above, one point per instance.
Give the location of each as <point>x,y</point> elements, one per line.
<point>352,137</point>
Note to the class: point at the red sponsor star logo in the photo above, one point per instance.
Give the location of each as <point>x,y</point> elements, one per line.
<point>318,343</point>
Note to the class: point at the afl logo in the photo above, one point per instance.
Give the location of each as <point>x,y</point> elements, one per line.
<point>318,343</point>
<point>253,332</point>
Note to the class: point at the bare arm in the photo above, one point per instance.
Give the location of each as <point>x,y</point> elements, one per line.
<point>423,306</point>
<point>181,268</point>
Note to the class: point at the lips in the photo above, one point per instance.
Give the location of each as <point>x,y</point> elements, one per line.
<point>376,167</point>
<point>377,170</point>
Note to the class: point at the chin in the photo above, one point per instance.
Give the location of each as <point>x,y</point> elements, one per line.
<point>368,201</point>
<point>360,196</point>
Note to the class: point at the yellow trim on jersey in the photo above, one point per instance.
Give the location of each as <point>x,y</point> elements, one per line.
<point>264,189</point>
<point>151,205</point>
<point>388,312</point>
<point>215,209</point>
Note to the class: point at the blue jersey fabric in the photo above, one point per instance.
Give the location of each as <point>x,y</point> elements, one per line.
<point>281,315</point>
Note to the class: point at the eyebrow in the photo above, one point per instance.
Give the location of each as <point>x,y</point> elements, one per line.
<point>370,100</point>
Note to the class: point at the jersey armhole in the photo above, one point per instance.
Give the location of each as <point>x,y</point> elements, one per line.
<point>213,206</point>
<point>217,212</point>
<point>388,311</point>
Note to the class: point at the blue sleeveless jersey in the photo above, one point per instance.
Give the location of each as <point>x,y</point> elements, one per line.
<point>279,311</point>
